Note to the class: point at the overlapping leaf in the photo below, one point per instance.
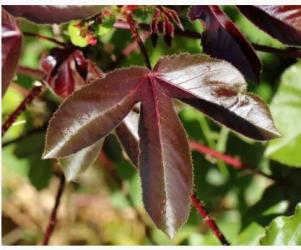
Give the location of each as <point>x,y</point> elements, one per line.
<point>50,14</point>
<point>73,165</point>
<point>222,39</point>
<point>213,86</point>
<point>11,48</point>
<point>127,133</point>
<point>280,21</point>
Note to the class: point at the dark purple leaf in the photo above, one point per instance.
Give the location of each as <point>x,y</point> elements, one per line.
<point>50,14</point>
<point>223,40</point>
<point>280,21</point>
<point>11,48</point>
<point>164,162</point>
<point>92,112</point>
<point>213,86</point>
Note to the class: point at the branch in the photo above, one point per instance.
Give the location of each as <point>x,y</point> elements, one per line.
<point>34,73</point>
<point>53,216</point>
<point>230,160</point>
<point>47,38</point>
<point>35,91</point>
<point>138,39</point>
<point>288,52</point>
<point>127,51</point>
<point>199,205</point>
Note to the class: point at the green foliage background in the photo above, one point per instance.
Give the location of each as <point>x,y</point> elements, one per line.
<point>249,209</point>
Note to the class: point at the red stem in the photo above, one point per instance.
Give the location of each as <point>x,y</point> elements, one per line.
<point>34,73</point>
<point>230,160</point>
<point>53,216</point>
<point>199,205</point>
<point>35,91</point>
<point>138,39</point>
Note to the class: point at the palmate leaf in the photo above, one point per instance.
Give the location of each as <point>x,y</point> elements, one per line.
<point>51,14</point>
<point>213,86</point>
<point>11,37</point>
<point>223,40</point>
<point>280,21</point>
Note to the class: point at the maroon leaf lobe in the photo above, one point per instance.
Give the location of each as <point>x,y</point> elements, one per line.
<point>223,40</point>
<point>280,21</point>
<point>11,48</point>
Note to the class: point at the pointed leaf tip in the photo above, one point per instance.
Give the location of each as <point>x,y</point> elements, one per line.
<point>106,101</point>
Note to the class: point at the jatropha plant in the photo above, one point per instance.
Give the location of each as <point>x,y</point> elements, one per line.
<point>138,102</point>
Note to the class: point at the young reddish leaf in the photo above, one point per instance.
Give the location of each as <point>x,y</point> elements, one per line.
<point>280,21</point>
<point>75,164</point>
<point>11,48</point>
<point>213,86</point>
<point>164,162</point>
<point>127,133</point>
<point>217,89</point>
<point>50,14</point>
<point>68,70</point>
<point>223,40</point>
<point>92,112</point>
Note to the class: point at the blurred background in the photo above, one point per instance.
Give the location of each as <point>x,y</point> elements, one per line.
<point>104,206</point>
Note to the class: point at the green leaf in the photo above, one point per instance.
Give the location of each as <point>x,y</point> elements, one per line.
<point>286,111</point>
<point>284,230</point>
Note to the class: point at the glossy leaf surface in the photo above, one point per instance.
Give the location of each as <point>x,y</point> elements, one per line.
<point>92,112</point>
<point>280,21</point>
<point>284,230</point>
<point>164,163</point>
<point>50,14</point>
<point>223,40</point>
<point>11,48</point>
<point>213,86</point>
<point>217,89</point>
<point>73,165</point>
<point>285,107</point>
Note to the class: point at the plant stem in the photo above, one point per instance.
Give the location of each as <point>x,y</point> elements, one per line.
<point>199,205</point>
<point>230,160</point>
<point>288,52</point>
<point>34,73</point>
<point>50,39</point>
<point>35,91</point>
<point>138,39</point>
<point>53,216</point>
